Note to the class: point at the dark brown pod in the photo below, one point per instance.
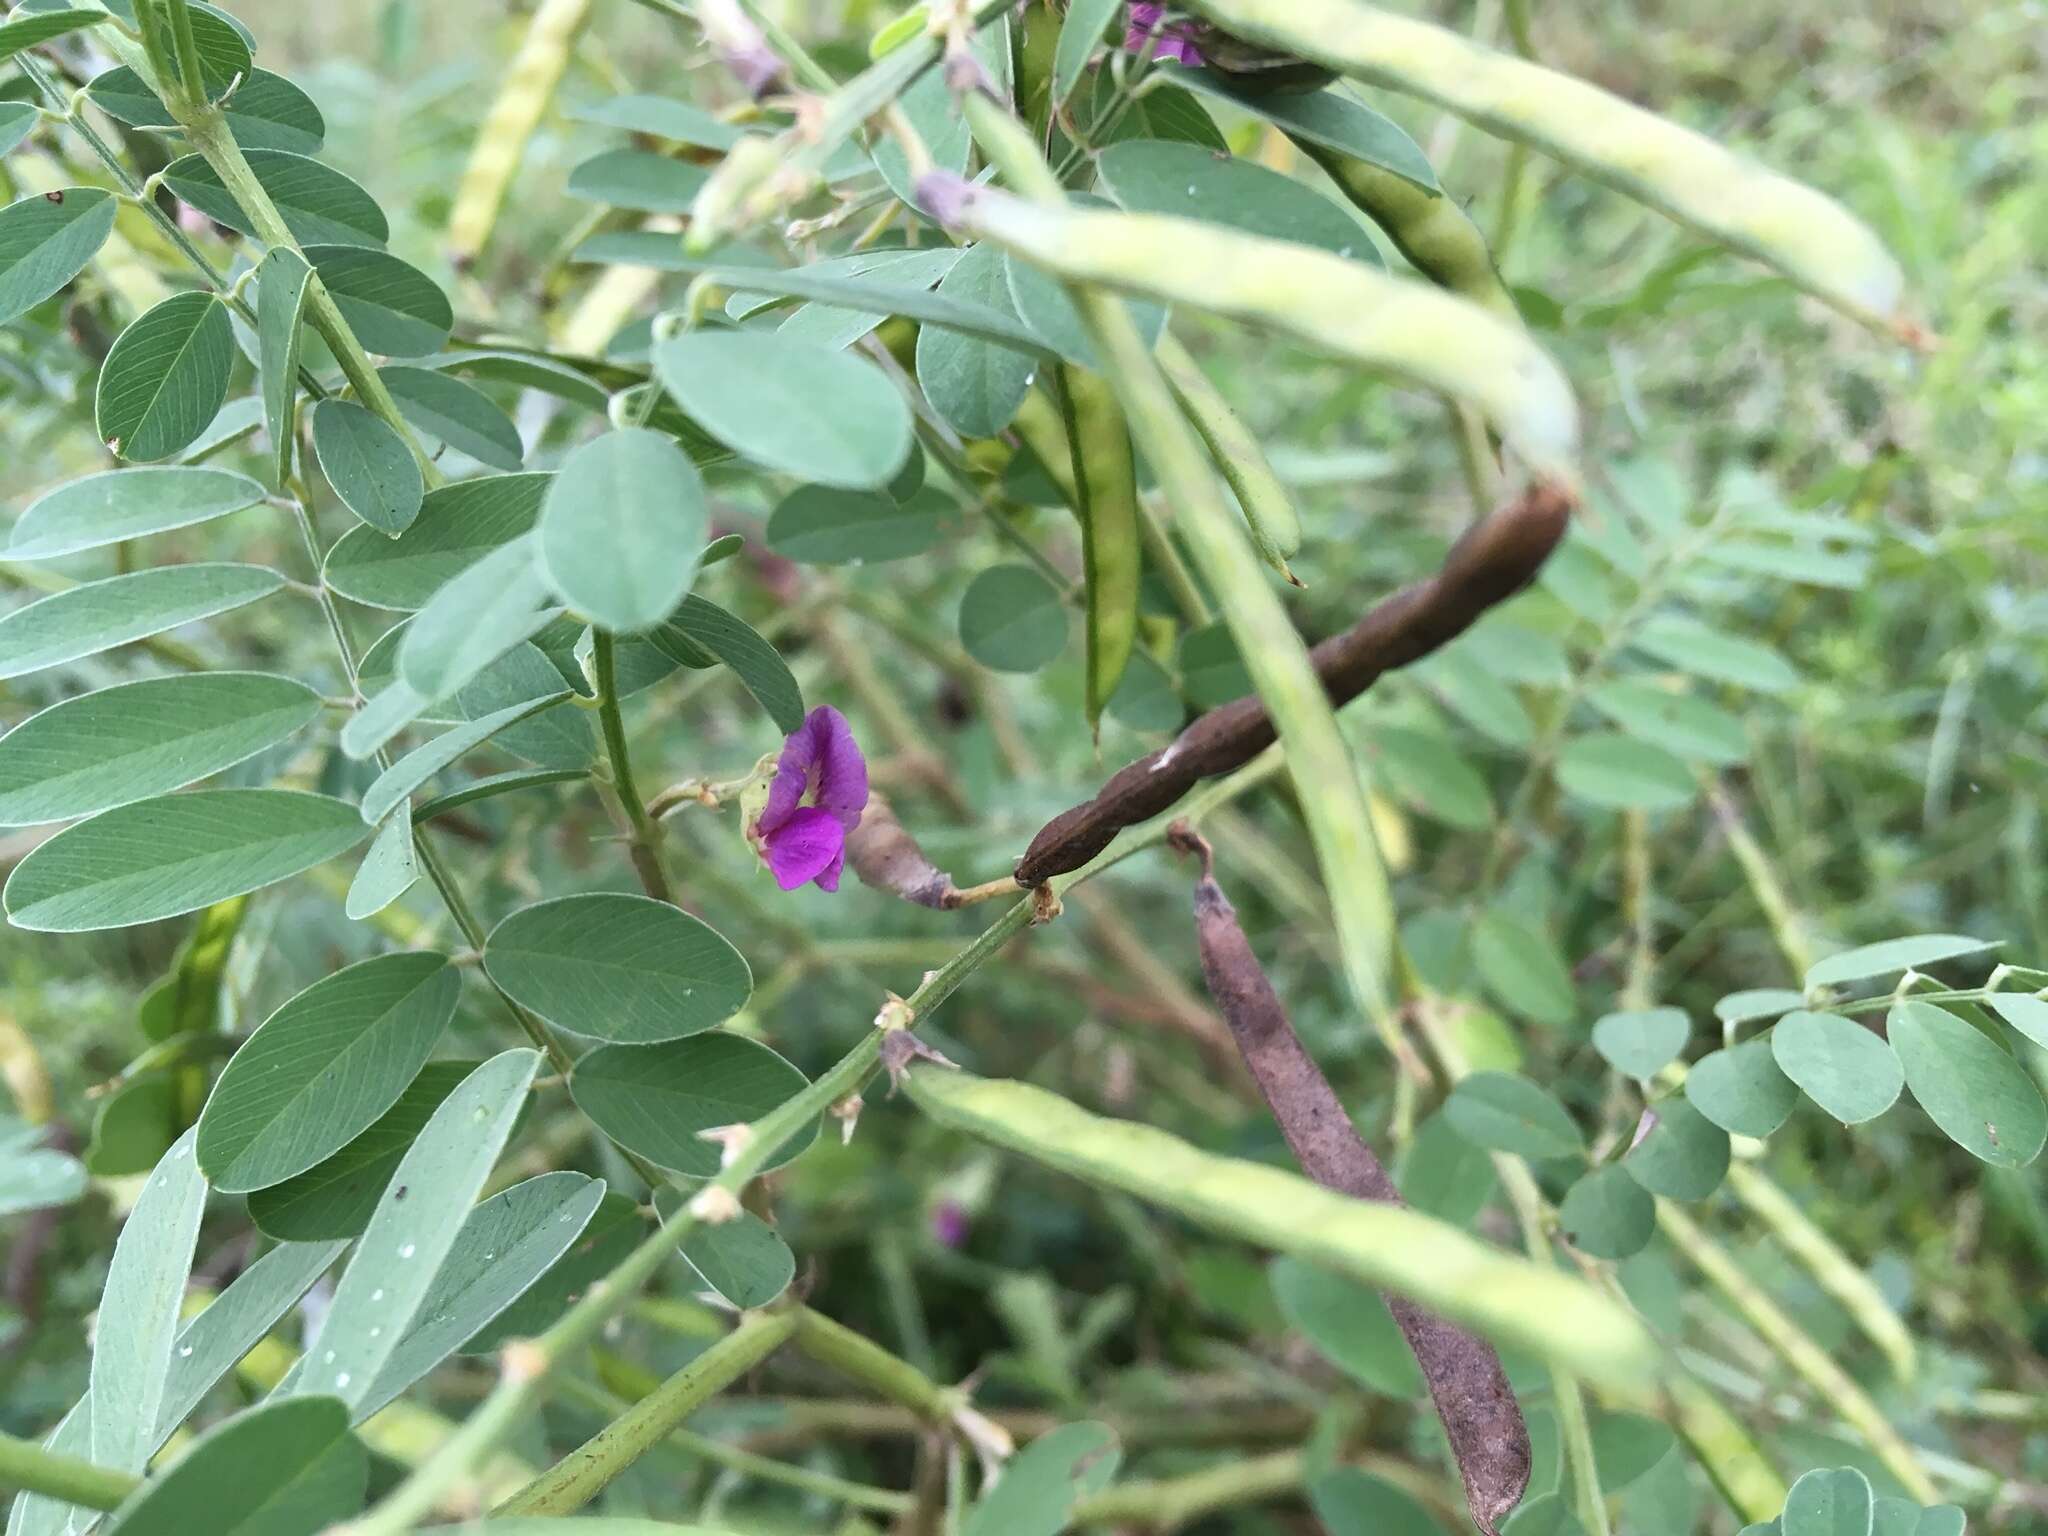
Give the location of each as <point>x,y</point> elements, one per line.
<point>1481,1418</point>
<point>1495,559</point>
<point>884,855</point>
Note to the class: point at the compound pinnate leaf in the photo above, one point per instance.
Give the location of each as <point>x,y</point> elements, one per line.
<point>419,765</point>
<point>166,377</point>
<point>319,205</point>
<point>320,1071</point>
<point>1969,1085</point>
<point>384,1290</point>
<point>145,738</point>
<point>286,1468</point>
<point>267,111</point>
<point>1506,1113</point>
<point>1849,1071</point>
<point>176,853</point>
<point>791,406</point>
<point>622,529</point>
<point>457,526</point>
<point>117,504</point>
<point>1742,1089</point>
<point>1891,956</point>
<point>624,969</point>
<point>656,1099</point>
<point>1042,1483</point>
<point>46,240</point>
<point>99,615</point>
<point>368,464</point>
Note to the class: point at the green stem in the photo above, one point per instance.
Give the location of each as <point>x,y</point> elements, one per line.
<point>860,1359</point>
<point>190,76</point>
<point>1169,1503</point>
<point>588,1470</point>
<point>31,1469</point>
<point>644,836</point>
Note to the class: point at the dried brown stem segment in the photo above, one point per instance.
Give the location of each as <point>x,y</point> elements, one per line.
<point>884,855</point>
<point>1481,1419</point>
<point>1493,561</point>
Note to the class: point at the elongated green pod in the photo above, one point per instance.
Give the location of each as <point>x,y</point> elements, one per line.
<point>1800,232</point>
<point>1039,427</point>
<point>1499,1295</point>
<point>529,86</point>
<point>1430,229</point>
<point>1106,501</point>
<point>1409,329</point>
<point>1269,514</point>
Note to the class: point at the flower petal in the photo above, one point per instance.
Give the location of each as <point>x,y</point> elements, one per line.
<point>809,845</point>
<point>793,770</point>
<point>842,771</point>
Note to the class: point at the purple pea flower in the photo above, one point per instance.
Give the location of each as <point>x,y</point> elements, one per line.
<point>1176,41</point>
<point>804,843</point>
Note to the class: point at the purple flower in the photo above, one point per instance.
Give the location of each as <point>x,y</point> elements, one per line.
<point>1176,41</point>
<point>950,1224</point>
<point>821,762</point>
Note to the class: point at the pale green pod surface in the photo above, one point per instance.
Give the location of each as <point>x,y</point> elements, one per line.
<point>1406,328</point>
<point>1804,234</point>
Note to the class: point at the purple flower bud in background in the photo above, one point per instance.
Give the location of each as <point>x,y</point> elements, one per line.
<point>1176,41</point>
<point>820,761</point>
<point>950,1225</point>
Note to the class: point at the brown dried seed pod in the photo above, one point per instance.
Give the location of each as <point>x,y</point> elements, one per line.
<point>884,855</point>
<point>1481,1419</point>
<point>1494,560</point>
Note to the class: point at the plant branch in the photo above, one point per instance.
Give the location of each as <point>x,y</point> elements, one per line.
<point>643,835</point>
<point>32,1469</point>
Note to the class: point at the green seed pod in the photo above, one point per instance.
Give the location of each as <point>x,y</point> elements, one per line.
<point>1106,502</point>
<point>1269,512</point>
<point>1480,1417</point>
<point>1409,329</point>
<point>1801,233</point>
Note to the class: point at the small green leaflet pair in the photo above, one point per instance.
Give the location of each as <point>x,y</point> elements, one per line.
<point>1839,1501</point>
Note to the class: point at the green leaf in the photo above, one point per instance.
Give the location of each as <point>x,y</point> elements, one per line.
<point>1429,773</point>
<point>1829,1501</point>
<point>281,280</point>
<point>1703,651</point>
<point>804,410</point>
<point>1333,118</point>
<point>455,413</point>
<point>1849,1071</point>
<point>2024,1012</point>
<point>226,48</point>
<point>655,1099</point>
<point>166,377</point>
<point>555,738</point>
<point>1621,773</point>
<point>278,1469</point>
<point>1479,697</point>
<point>1975,1091</point>
<point>1348,1324</point>
<point>505,1246</point>
<point>18,120</point>
<point>1608,1214</point>
<point>135,740</point>
<point>46,240</point>
<point>611,1234</point>
<point>1742,1089</point>
<point>388,870</point>
<point>1642,1044</point>
<point>385,1288</point>
<point>1042,1483</point>
<point>28,31</point>
<point>368,465</point>
<point>757,664</point>
<point>1349,1502</point>
<point>1524,970</point>
<point>1506,1113</point>
<point>391,787</point>
<point>623,528</point>
<point>392,306</point>
<point>1891,956</point>
<point>1626,1446</point>
<point>39,1177</point>
<point>1011,619</point>
<point>491,787</point>
<point>1757,1003</point>
<point>118,504</point>
<point>176,853</point>
<point>496,604</point>
<point>1080,35</point>
<point>624,969</point>
<point>457,526</point>
<point>134,1126</point>
<point>1190,182</point>
<point>744,1260</point>
<point>823,525</point>
<point>319,205</point>
<point>336,1198</point>
<point>661,117</point>
<point>976,386</point>
<point>1684,1156</point>
<point>267,111</point>
<point>138,1319</point>
<point>323,1068</point>
<point>1444,1175</point>
<point>1683,724</point>
<point>1042,304</point>
<point>1549,1515</point>
<point>99,615</point>
<point>1212,671</point>
<point>642,180</point>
